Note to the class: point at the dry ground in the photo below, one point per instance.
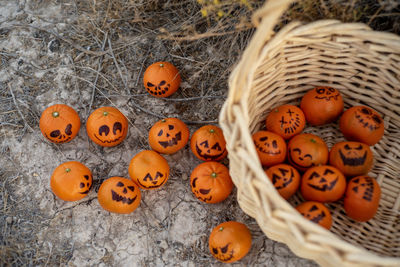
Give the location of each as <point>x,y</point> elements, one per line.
<point>89,54</point>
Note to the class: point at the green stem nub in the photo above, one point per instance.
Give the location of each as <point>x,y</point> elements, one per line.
<point>214,175</point>
<point>164,120</point>
<point>105,113</point>
<point>221,229</point>
<point>161,65</point>
<point>67,170</point>
<point>55,114</point>
<point>212,131</point>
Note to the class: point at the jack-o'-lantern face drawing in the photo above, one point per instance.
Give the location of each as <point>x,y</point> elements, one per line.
<point>107,126</point>
<point>230,241</point>
<point>119,195</point>
<point>285,178</point>
<point>271,148</point>
<point>59,123</point>
<point>286,121</point>
<point>326,93</point>
<point>307,150</point>
<point>368,118</point>
<point>362,124</point>
<point>224,253</point>
<point>316,212</point>
<point>362,198</point>
<point>161,79</point>
<point>71,181</point>
<point>210,182</point>
<point>323,183</point>
<point>200,193</point>
<point>149,169</point>
<point>322,105</point>
<point>169,135</point>
<point>208,143</point>
<point>351,158</point>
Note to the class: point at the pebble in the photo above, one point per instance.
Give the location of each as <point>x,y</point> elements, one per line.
<point>9,220</point>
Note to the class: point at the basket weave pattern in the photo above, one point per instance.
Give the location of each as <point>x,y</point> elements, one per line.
<point>278,69</point>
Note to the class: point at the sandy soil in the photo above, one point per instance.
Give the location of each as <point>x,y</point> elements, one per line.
<point>40,68</point>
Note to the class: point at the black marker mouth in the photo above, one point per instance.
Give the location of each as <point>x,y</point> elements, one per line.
<point>172,142</point>
<point>106,141</point>
<point>261,149</point>
<point>126,200</point>
<point>325,187</point>
<point>353,161</point>
<point>328,98</point>
<point>151,186</point>
<point>207,156</point>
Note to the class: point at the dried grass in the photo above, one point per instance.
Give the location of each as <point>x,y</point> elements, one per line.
<point>109,44</point>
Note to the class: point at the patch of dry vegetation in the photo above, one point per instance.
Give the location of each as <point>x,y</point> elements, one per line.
<point>109,43</point>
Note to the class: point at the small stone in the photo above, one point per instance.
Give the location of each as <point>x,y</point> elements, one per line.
<point>162,244</point>
<point>9,220</point>
<point>54,45</point>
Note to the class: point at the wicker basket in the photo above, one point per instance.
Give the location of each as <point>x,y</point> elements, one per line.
<point>279,68</point>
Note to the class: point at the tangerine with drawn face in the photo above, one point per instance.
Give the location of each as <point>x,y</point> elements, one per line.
<point>307,150</point>
<point>322,105</point>
<point>161,79</point>
<point>59,123</point>
<point>119,195</point>
<point>351,158</point>
<point>286,120</point>
<point>285,178</point>
<point>149,170</point>
<point>168,135</point>
<point>270,147</point>
<point>316,212</point>
<point>210,182</point>
<point>107,126</point>
<point>362,124</point>
<point>71,181</point>
<point>323,184</point>
<point>362,198</point>
<point>229,241</point>
<point>208,143</point>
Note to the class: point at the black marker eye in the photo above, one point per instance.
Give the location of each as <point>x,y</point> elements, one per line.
<point>359,147</point>
<point>205,144</point>
<point>274,144</point>
<point>104,129</point>
<point>224,249</point>
<point>376,119</point>
<point>55,133</point>
<point>366,111</point>
<point>68,129</point>
<point>117,127</point>
<point>216,146</point>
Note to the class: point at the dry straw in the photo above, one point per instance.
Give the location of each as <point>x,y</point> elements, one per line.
<point>278,68</point>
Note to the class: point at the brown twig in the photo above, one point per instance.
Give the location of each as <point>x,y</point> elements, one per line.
<point>97,76</point>
<point>74,45</point>
<point>19,110</point>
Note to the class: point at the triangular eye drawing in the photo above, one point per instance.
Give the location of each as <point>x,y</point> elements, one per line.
<point>204,143</point>
<point>216,146</point>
